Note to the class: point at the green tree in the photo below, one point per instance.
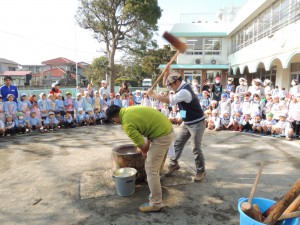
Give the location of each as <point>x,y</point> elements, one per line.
<point>152,59</point>
<point>120,24</point>
<point>97,70</point>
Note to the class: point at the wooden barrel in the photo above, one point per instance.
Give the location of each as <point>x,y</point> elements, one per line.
<point>127,156</point>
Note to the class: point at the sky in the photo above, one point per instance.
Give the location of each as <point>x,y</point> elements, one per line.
<point>32,31</point>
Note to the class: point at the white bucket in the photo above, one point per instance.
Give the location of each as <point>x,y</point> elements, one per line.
<point>125,180</point>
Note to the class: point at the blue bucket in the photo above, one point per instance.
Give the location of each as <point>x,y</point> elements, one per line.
<point>264,204</point>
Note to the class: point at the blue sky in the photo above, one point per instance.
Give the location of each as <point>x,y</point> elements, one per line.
<point>33,31</point>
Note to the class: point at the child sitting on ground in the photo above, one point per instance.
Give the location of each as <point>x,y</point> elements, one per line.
<point>34,122</point>
<point>9,126</point>
<point>80,117</point>
<point>267,124</point>
<point>256,123</point>
<point>213,122</point>
<point>90,117</point>
<point>59,118</point>
<point>283,128</point>
<point>97,116</point>
<point>226,122</point>
<point>51,123</point>
<point>21,123</point>
<point>246,123</point>
<point>237,118</point>
<point>68,120</point>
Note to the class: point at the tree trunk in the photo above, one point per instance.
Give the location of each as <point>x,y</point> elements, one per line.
<point>112,66</point>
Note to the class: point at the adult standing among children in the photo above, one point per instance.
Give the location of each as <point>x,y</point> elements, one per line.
<point>217,89</point>
<point>124,89</point>
<point>55,89</point>
<point>8,88</point>
<point>143,121</point>
<point>104,89</point>
<point>205,86</point>
<point>193,124</point>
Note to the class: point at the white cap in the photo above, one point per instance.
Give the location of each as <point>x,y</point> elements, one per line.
<point>103,82</point>
<point>282,114</point>
<point>138,91</point>
<point>79,94</point>
<point>80,109</point>
<point>23,94</point>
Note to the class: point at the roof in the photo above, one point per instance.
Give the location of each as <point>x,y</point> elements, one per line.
<point>6,61</point>
<point>57,72</point>
<point>16,73</point>
<point>199,29</point>
<point>60,61</point>
<point>196,66</point>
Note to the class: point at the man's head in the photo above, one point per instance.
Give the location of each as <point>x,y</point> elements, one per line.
<point>174,80</point>
<point>104,83</point>
<point>8,80</point>
<point>112,113</point>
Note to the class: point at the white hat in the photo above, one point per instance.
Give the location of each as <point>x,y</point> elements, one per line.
<point>80,109</point>
<point>51,113</point>
<point>79,94</point>
<point>41,94</point>
<point>103,82</point>
<point>9,95</point>
<point>50,95</point>
<point>59,94</point>
<point>138,91</point>
<point>118,94</point>
<point>23,94</point>
<point>214,111</point>
<point>282,114</point>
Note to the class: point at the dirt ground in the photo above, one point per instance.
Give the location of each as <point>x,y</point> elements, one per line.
<point>40,177</point>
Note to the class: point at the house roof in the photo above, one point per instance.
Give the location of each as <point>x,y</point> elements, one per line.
<point>60,61</point>
<point>16,73</point>
<point>199,30</point>
<point>57,72</point>
<point>6,61</point>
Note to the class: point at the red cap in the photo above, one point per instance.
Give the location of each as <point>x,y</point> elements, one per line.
<point>218,78</point>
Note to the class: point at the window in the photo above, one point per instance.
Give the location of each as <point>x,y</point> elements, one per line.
<point>201,45</point>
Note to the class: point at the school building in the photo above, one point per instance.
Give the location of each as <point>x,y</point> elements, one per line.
<point>262,41</point>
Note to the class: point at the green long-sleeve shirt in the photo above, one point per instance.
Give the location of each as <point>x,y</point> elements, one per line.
<point>139,121</point>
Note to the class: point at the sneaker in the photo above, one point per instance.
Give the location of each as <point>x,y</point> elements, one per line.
<point>172,169</point>
<point>245,131</point>
<point>199,176</point>
<point>146,207</point>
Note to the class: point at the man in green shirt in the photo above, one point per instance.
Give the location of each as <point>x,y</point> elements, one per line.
<point>139,122</point>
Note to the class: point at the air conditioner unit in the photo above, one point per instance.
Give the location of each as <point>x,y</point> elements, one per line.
<point>197,61</point>
<point>213,61</point>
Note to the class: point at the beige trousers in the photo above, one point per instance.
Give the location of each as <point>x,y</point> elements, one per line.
<point>154,165</point>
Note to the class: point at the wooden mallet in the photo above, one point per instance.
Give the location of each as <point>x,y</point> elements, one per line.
<point>247,207</point>
<point>179,45</point>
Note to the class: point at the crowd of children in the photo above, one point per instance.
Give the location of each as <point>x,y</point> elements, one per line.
<point>255,109</point>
